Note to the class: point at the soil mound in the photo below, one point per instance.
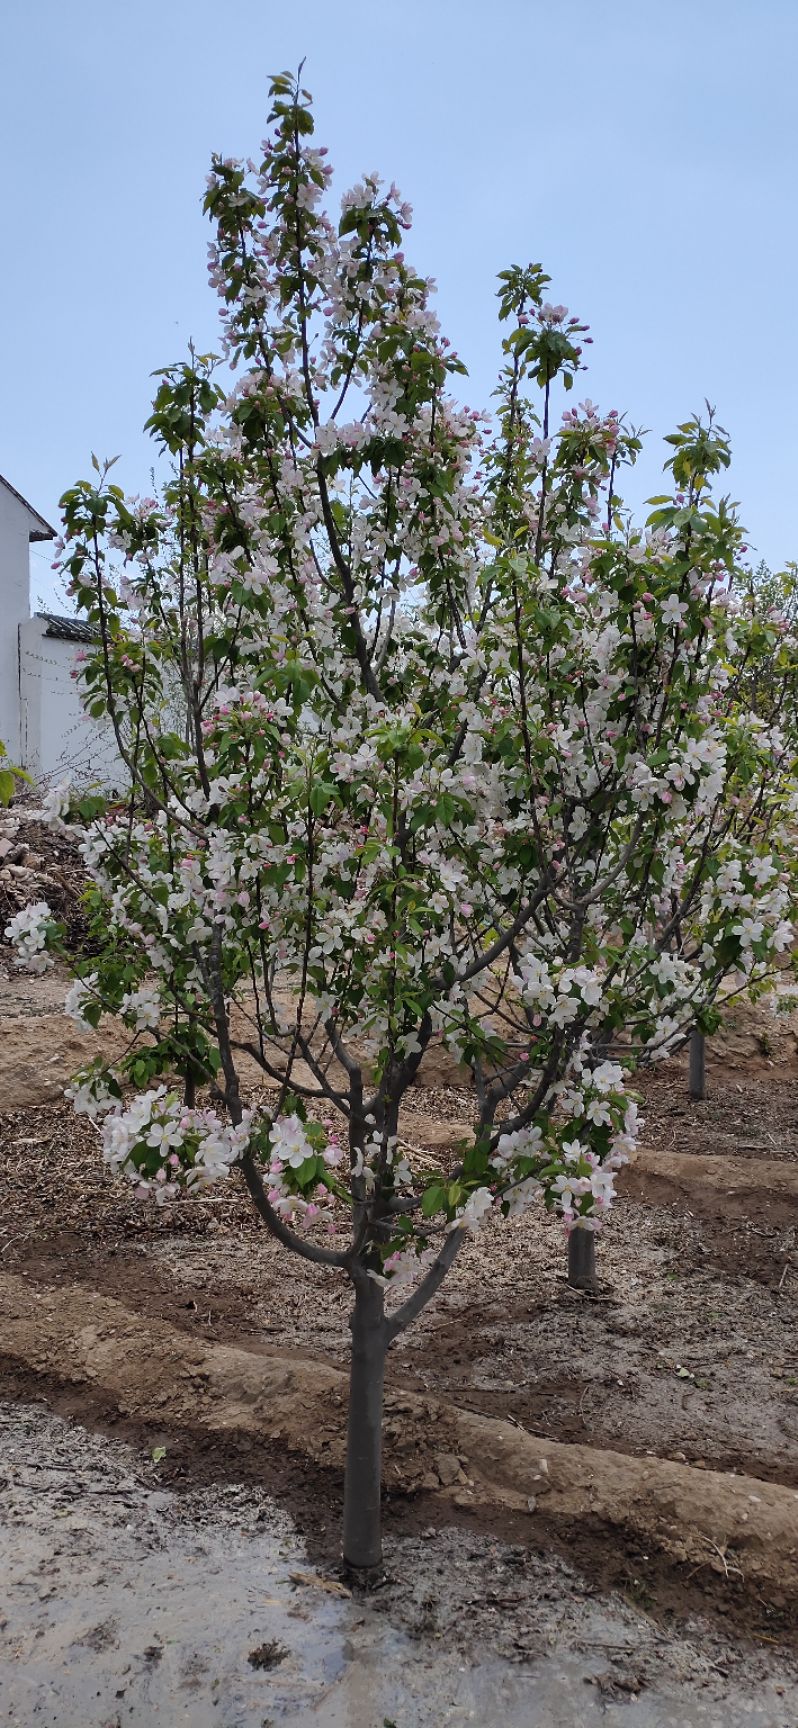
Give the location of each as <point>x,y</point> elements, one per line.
<point>738,1526</point>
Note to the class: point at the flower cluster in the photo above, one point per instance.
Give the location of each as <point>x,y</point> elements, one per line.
<point>162,1146</point>
<point>570,1158</point>
<point>304,1171</point>
<point>93,1092</point>
<point>27,932</point>
<point>56,803</point>
<point>81,991</point>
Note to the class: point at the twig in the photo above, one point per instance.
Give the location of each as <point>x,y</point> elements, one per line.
<point>424,1157</point>
<point>727,1567</point>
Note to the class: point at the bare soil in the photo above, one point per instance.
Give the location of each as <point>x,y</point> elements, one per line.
<point>129,1598</point>
<point>687,1354</point>
<point>740,1527</point>
<point>690,1350</point>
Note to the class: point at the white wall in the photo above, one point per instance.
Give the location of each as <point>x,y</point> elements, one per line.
<point>42,721</point>
<point>15,526</point>
<point>58,737</point>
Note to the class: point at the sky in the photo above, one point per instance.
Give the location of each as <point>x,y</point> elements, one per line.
<point>644,151</point>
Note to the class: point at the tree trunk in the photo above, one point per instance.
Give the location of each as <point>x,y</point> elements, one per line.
<point>363,1480</point>
<point>698,1083</point>
<point>582,1259</point>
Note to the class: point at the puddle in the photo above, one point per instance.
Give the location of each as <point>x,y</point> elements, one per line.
<point>125,1604</point>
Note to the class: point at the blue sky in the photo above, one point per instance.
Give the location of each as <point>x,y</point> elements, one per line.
<point>645,151</point>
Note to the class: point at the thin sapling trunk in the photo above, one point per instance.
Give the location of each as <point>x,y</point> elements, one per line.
<point>698,1077</point>
<point>582,1260</point>
<point>362,1522</point>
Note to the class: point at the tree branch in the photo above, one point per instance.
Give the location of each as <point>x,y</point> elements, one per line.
<point>274,1223</point>
<point>432,1282</point>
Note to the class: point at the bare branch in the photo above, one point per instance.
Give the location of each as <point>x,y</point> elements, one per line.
<point>430,1283</point>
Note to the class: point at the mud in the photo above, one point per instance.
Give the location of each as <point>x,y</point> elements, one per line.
<point>743,1530</point>
<point>611,1591</point>
<point>689,1352</point>
<point>129,1603</point>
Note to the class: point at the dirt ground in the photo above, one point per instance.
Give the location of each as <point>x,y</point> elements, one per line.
<point>689,1352</point>
<point>128,1601</point>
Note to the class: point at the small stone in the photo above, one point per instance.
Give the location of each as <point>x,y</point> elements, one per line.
<point>447,1465</point>
<point>531,1504</point>
<point>429,1480</point>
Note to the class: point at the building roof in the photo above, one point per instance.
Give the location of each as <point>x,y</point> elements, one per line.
<point>68,629</point>
<point>41,530</point>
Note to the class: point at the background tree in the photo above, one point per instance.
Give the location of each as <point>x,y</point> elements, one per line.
<point>765,682</point>
<point>459,756</point>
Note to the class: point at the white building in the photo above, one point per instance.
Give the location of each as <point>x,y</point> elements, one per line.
<point>42,721</point>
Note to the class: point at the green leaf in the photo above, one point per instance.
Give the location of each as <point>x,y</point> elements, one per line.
<point>321,794</point>
<point>91,807</point>
<point>307,1172</point>
<point>433,1200</point>
<point>8,776</point>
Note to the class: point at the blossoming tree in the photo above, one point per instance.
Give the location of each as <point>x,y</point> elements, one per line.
<point>425,741</point>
